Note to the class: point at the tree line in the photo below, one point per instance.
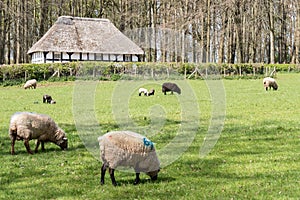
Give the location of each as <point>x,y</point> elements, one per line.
<point>220,31</point>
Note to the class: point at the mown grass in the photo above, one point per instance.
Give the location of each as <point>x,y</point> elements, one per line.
<point>256,157</point>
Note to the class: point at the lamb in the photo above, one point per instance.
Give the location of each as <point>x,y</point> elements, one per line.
<point>27,126</point>
<point>30,84</point>
<point>166,87</point>
<point>144,91</point>
<point>270,83</point>
<point>151,92</point>
<point>48,99</point>
<point>129,149</point>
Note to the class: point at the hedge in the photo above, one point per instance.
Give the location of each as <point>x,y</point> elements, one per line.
<point>10,74</point>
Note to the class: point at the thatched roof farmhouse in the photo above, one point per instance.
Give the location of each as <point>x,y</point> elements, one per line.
<point>81,39</point>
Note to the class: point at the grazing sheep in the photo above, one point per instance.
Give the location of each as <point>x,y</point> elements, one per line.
<point>270,83</point>
<point>30,84</point>
<point>126,148</point>
<point>144,91</point>
<point>151,92</point>
<point>27,126</point>
<point>166,87</point>
<point>48,99</point>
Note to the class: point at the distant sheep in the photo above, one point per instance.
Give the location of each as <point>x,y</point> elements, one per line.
<point>27,126</point>
<point>170,87</point>
<point>48,99</point>
<point>270,83</point>
<point>30,84</point>
<point>129,149</point>
<point>146,92</point>
<point>151,92</point>
<point>143,91</point>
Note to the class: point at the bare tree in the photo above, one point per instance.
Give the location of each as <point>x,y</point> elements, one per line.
<point>202,30</point>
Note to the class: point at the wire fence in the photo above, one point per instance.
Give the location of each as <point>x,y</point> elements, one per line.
<point>14,74</point>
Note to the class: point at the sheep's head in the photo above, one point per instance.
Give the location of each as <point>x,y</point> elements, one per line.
<point>153,174</point>
<point>177,89</point>
<point>275,86</point>
<point>63,143</point>
<point>63,140</point>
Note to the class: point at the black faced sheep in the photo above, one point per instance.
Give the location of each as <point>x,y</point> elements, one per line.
<point>151,92</point>
<point>144,91</point>
<point>126,148</point>
<point>27,126</point>
<point>30,84</point>
<point>170,87</point>
<point>48,99</point>
<point>270,83</point>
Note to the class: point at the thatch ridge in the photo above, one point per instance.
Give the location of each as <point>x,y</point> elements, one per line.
<point>86,35</point>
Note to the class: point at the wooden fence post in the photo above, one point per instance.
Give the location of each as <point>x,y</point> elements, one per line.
<point>152,73</point>
<point>71,72</point>
<point>168,72</point>
<point>94,72</point>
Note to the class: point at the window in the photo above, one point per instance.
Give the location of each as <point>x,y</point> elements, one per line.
<point>127,58</point>
<point>57,56</point>
<point>98,56</point>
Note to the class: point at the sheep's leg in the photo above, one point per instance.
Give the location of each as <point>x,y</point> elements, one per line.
<point>43,145</point>
<point>112,176</point>
<point>13,140</point>
<point>137,179</point>
<point>37,146</point>
<point>103,170</point>
<point>26,143</point>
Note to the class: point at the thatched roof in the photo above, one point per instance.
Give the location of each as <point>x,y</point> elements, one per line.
<point>86,35</point>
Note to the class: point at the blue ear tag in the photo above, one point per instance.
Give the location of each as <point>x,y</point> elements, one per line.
<point>148,143</point>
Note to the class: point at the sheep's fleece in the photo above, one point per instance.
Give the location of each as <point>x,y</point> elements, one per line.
<point>30,84</point>
<point>126,148</point>
<point>27,126</point>
<point>270,83</point>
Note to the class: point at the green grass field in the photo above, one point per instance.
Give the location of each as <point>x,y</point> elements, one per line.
<point>256,157</point>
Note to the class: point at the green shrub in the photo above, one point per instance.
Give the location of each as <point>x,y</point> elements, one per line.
<point>16,74</point>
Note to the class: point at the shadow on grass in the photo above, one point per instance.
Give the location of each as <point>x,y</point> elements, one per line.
<point>129,180</point>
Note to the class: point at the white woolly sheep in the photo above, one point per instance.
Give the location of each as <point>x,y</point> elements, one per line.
<point>129,149</point>
<point>270,83</point>
<point>27,126</point>
<point>144,91</point>
<point>30,84</point>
